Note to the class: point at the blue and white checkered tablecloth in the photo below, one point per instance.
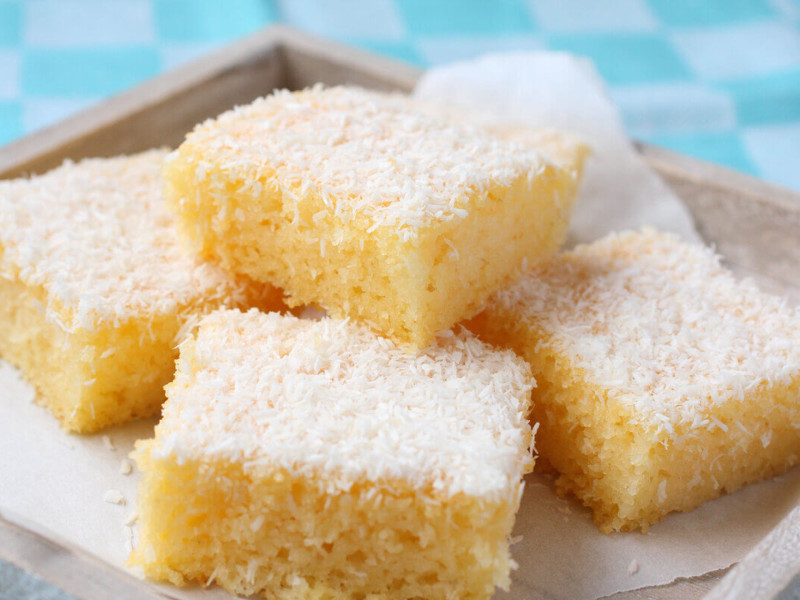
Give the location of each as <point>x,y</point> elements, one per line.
<point>716,79</point>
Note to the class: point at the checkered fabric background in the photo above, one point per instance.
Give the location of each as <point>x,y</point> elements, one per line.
<point>716,79</point>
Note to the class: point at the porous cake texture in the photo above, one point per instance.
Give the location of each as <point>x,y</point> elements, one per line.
<point>662,380</point>
<point>95,288</point>
<point>363,204</point>
<point>315,459</point>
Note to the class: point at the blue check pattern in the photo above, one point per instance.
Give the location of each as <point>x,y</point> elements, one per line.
<point>715,79</point>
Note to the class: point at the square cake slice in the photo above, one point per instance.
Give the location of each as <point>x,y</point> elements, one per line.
<point>315,459</point>
<point>365,205</point>
<point>662,380</point>
<point>95,288</point>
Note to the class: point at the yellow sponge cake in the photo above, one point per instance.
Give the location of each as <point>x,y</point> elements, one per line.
<point>314,459</point>
<point>662,380</point>
<point>94,288</point>
<point>363,204</point>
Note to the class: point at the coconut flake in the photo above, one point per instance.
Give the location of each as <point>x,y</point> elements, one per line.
<point>114,497</point>
<point>633,567</point>
<point>125,467</point>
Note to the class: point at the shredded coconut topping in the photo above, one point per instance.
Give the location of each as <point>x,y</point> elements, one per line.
<point>95,236</point>
<point>365,153</point>
<point>560,148</point>
<point>331,400</point>
<point>661,324</point>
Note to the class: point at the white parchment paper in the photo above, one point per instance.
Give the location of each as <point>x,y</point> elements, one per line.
<point>57,481</point>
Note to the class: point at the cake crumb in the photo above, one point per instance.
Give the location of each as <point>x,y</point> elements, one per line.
<point>633,568</point>
<point>109,443</point>
<point>131,518</point>
<point>125,467</point>
<point>127,531</point>
<point>114,497</point>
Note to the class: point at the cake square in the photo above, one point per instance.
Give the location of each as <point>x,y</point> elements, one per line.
<point>96,291</point>
<point>315,459</point>
<point>363,204</point>
<point>662,380</point>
